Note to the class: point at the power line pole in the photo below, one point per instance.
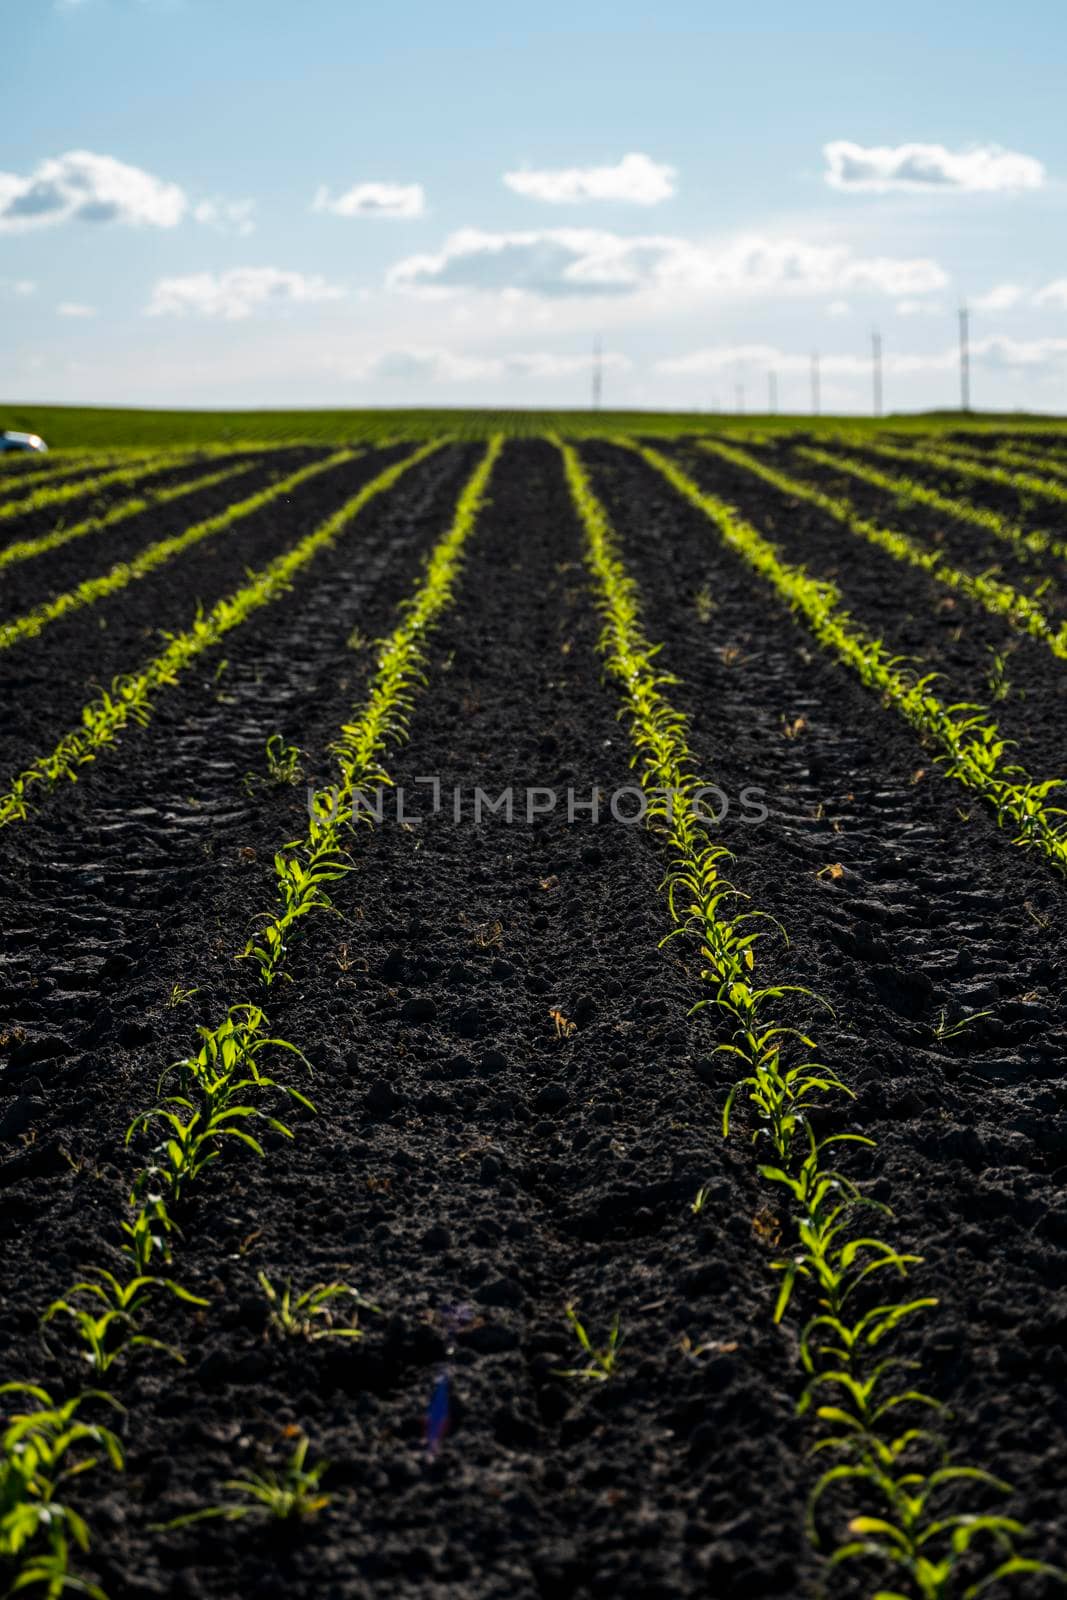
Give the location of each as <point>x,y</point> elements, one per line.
<point>598,373</point>
<point>965,359</point>
<point>815,399</point>
<point>772,392</point>
<point>876,370</point>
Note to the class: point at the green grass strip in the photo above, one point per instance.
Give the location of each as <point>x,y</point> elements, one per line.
<point>90,590</point>
<point>130,696</point>
<point>999,599</point>
<point>1023,483</point>
<point>26,549</point>
<point>854,1388</point>
<point>972,747</point>
<point>906,490</point>
<point>304,868</point>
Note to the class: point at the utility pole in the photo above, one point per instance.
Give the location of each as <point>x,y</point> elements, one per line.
<point>876,370</point>
<point>815,402</point>
<point>965,359</point>
<point>598,373</point>
<point>772,392</point>
<point>740,392</point>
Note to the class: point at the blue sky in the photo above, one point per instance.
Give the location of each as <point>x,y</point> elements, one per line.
<point>245,202</point>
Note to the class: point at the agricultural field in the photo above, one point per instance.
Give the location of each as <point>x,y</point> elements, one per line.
<point>533,1008</point>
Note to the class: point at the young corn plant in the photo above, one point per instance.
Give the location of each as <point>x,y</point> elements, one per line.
<point>213,1105</point>
<point>41,1449</point>
<point>107,1315</point>
<point>302,869</point>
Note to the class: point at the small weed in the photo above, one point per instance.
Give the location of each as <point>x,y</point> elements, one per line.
<point>943,1029</point>
<point>601,1363</point>
<point>283,766</point>
<point>565,1029</point>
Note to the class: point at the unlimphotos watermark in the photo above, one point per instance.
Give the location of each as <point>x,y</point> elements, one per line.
<point>628,805</point>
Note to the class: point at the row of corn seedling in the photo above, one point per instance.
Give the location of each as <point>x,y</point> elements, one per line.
<point>1032,459</point>
<point>131,697</point>
<point>992,594</point>
<point>1028,484</point>
<point>855,1388</point>
<point>304,868</point>
<point>53,496</point>
<point>148,500</point>
<point>1024,541</point>
<point>211,1100</point>
<point>971,748</point>
<point>53,471</point>
<point>90,590</point>
<point>218,1098</point>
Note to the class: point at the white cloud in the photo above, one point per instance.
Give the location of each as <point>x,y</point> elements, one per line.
<point>930,167</point>
<point>74,308</point>
<point>401,200</point>
<point>22,287</point>
<point>992,352</point>
<point>90,188</point>
<point>568,262</point>
<point>428,364</point>
<point>1019,354</point>
<point>238,292</point>
<point>543,365</point>
<point>1000,298</point>
<point>839,308</point>
<point>919,308</point>
<point>433,364</point>
<point>228,216</point>
<point>1053,294</point>
<point>635,180</point>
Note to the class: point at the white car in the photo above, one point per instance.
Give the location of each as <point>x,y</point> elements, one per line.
<point>21,441</point>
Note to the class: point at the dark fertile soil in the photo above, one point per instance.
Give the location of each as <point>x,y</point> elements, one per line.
<point>475,1165</point>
